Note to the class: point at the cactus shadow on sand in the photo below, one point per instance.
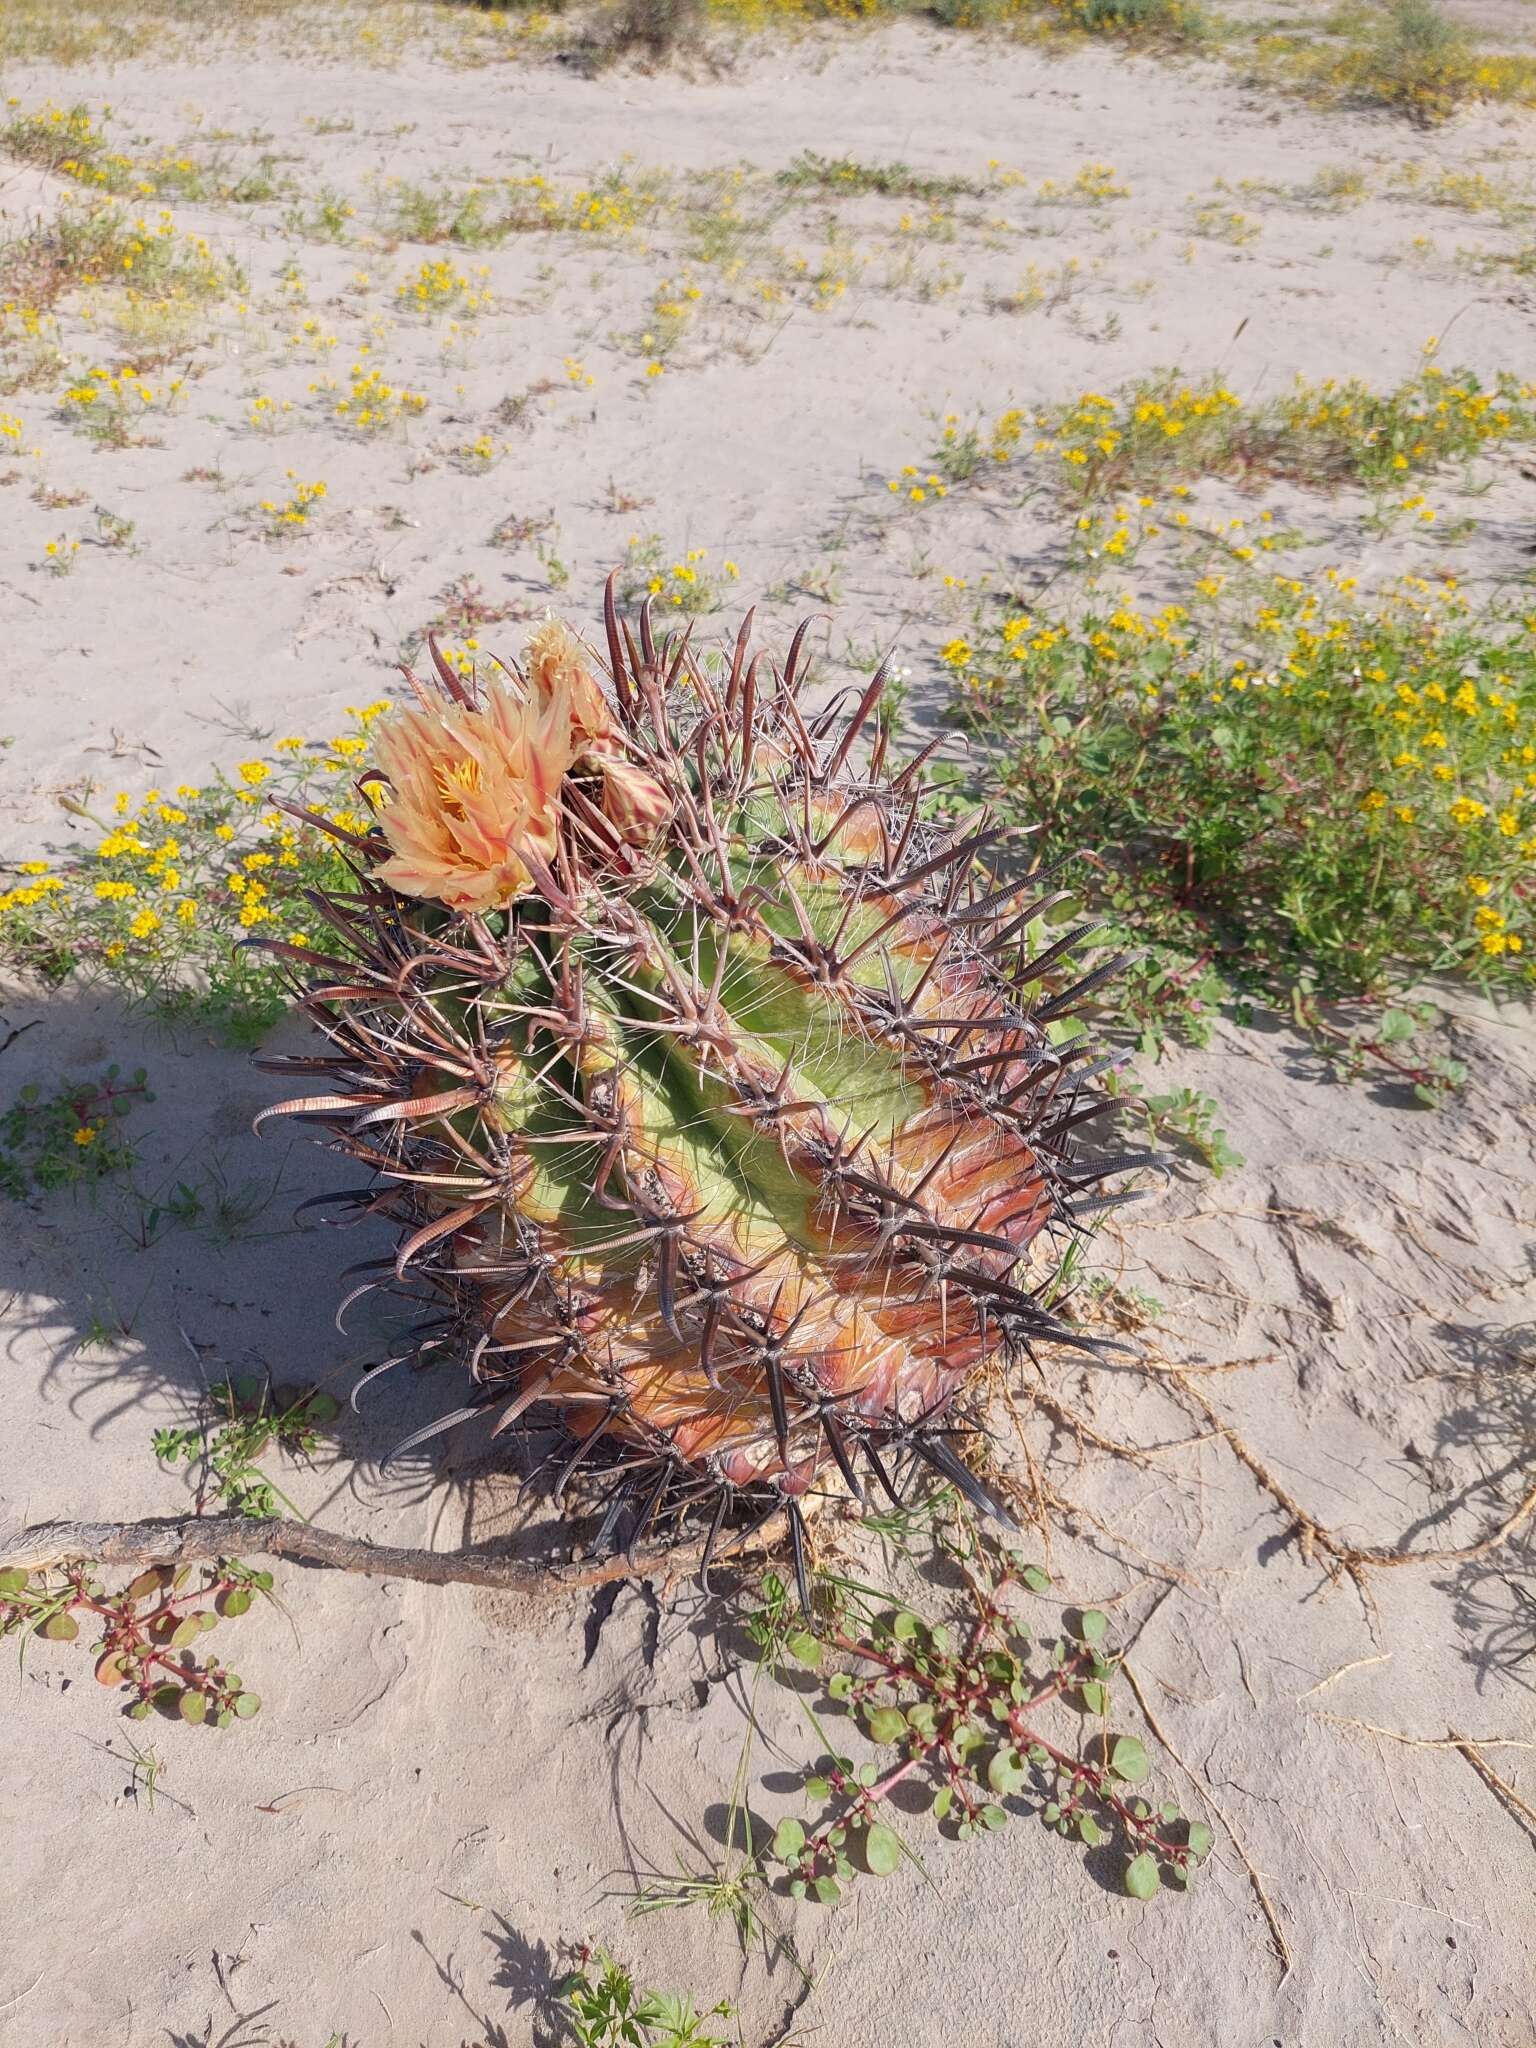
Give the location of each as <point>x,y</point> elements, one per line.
<point>130,1297</point>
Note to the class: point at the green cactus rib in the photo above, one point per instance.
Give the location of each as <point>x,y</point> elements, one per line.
<point>729,1152</point>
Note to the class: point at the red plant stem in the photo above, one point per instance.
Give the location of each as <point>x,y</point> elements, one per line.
<point>1420,1076</point>
<point>89,1100</point>
<point>1090,1775</point>
<point>1052,1688</point>
<point>130,1633</point>
<point>864,1798</point>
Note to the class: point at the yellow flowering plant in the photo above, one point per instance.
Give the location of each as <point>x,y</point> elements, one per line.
<point>439,283</point>
<point>1288,787</point>
<point>96,240</point>
<point>159,902</point>
<point>111,405</point>
<point>74,143</point>
<point>281,518</point>
<point>69,1136</point>
<point>1164,430</point>
<point>689,583</point>
<point>370,404</point>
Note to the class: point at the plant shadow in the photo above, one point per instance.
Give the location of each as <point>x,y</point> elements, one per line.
<point>125,1299</point>
<point>1495,1594</point>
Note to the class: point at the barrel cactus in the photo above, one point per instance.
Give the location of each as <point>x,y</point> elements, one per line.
<point>730,1110</point>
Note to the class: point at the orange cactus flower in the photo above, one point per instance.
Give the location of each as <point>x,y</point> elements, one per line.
<point>634,803</point>
<point>473,796</point>
<point>474,788</point>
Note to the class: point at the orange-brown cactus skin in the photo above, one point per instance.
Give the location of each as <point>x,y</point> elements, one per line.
<point>724,1101</point>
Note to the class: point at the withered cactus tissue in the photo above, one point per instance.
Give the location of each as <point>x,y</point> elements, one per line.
<point>721,1099</point>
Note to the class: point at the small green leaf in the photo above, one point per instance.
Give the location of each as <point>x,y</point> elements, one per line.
<point>1200,1840</point>
<point>887,1724</point>
<point>13,1581</point>
<point>826,1890</point>
<point>943,1800</point>
<point>59,1628</point>
<point>193,1706</point>
<point>839,1685</point>
<point>186,1631</point>
<point>905,1626</point>
<point>804,1648</point>
<point>994,1817</point>
<point>236,1601</point>
<point>1094,1626</point>
<point>1006,1774</point>
<point>1090,1830</point>
<point>1038,1581</point>
<point>246,1704</point>
<point>1141,1878</point>
<point>788,1840</point>
<point>882,1850</point>
<point>817,1790</point>
<point>321,1409</point>
<point>1095,1697</point>
<point>1128,1759</point>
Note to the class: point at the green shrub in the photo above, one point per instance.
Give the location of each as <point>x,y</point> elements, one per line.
<point>1298,787</point>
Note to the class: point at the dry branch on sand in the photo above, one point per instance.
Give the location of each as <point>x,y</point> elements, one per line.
<point>191,1539</point>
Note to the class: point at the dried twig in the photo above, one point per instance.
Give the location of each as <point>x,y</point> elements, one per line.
<point>1469,1746</point>
<point>1497,1785</point>
<point>1356,1664</point>
<point>1451,1741</point>
<point>1313,1536</point>
<point>1203,1787</point>
<point>190,1538</point>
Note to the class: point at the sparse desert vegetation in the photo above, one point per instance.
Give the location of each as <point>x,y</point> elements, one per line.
<point>1146,389</point>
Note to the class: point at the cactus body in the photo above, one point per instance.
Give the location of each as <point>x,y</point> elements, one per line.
<point>727,1107</point>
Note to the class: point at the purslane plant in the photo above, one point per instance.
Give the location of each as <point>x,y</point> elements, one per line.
<point>978,1717</point>
<point>147,1632</point>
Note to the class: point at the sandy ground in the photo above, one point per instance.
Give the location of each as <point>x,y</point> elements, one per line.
<point>445,1786</point>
